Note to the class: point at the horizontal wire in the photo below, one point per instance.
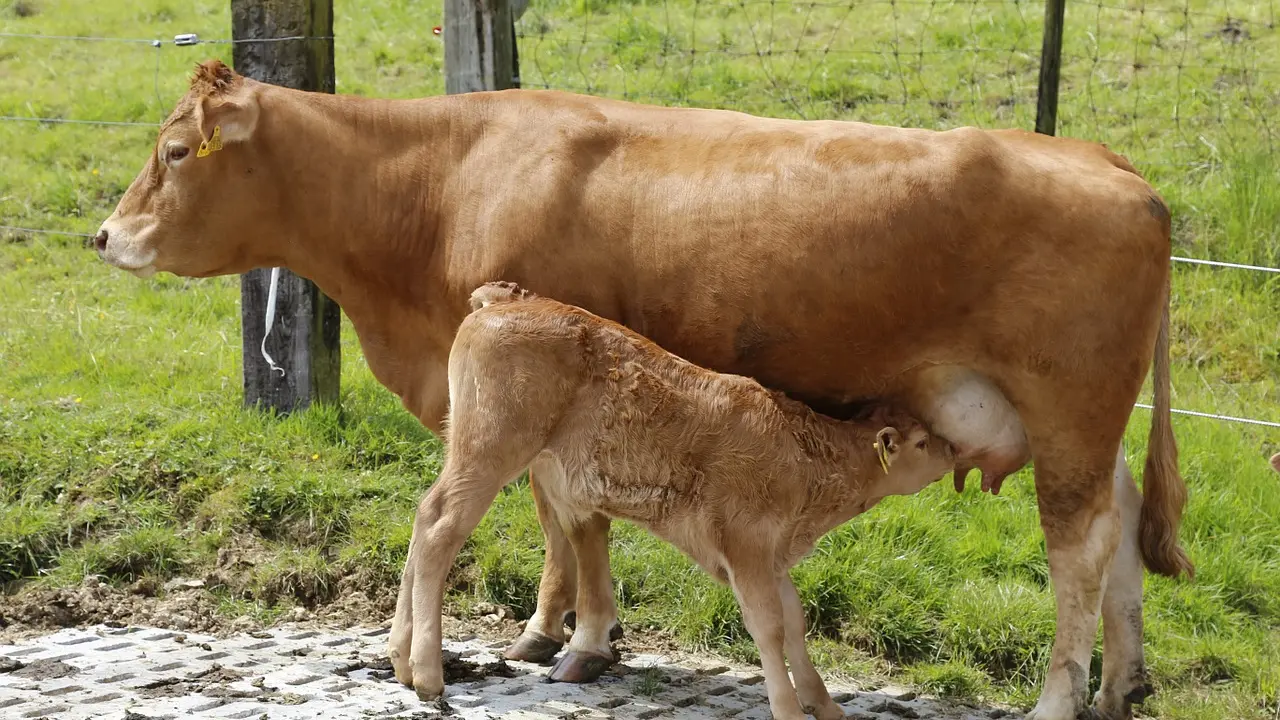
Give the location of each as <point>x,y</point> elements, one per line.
<point>1212,416</point>
<point>68,121</point>
<point>1236,266</point>
<point>188,39</point>
<point>43,231</point>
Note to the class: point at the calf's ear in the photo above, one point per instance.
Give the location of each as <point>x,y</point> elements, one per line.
<point>888,444</point>
<point>232,118</point>
<point>1275,462</point>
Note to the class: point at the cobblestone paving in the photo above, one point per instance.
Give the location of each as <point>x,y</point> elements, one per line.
<point>137,673</point>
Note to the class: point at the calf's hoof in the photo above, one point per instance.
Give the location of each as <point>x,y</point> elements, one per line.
<point>533,647</point>
<point>400,665</point>
<point>580,667</point>
<point>829,711</point>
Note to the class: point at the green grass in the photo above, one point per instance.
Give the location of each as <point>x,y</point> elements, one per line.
<point>124,451</point>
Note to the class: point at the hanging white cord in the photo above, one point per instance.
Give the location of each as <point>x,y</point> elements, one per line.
<point>271,316</point>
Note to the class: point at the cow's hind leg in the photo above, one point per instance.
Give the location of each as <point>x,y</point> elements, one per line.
<point>543,634</point>
<point>1124,676</point>
<point>809,686</point>
<point>1082,529</point>
<point>589,653</point>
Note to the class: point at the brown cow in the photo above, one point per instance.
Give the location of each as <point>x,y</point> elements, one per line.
<point>1007,288</point>
<point>742,479</point>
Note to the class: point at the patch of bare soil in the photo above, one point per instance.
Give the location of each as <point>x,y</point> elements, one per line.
<point>40,610</point>
<point>39,669</point>
<point>457,670</point>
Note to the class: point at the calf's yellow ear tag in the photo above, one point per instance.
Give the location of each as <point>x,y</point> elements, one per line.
<point>883,455</point>
<point>213,144</point>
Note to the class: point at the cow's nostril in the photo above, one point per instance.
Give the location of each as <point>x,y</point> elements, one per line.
<point>100,240</point>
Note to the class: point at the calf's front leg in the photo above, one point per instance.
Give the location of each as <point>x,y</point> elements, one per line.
<point>756,585</point>
<point>809,686</point>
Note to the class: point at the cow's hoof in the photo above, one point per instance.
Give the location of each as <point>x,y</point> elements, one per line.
<point>580,667</point>
<point>615,631</point>
<point>533,647</point>
<point>427,690</point>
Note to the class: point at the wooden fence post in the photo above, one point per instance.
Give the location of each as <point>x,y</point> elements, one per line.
<point>1050,67</point>
<point>479,37</point>
<point>304,340</point>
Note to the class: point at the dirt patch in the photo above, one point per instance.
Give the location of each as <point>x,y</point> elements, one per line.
<point>45,670</point>
<point>38,610</point>
<point>458,670</point>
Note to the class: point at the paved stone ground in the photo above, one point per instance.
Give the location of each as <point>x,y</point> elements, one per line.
<point>139,673</point>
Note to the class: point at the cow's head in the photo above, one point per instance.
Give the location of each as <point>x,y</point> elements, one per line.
<point>198,206</point>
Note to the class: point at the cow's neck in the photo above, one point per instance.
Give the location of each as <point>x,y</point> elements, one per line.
<point>361,179</point>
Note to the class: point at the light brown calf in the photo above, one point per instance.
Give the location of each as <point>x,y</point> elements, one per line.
<point>742,479</point>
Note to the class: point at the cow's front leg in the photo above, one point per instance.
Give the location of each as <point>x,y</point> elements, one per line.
<point>590,653</point>
<point>543,634</point>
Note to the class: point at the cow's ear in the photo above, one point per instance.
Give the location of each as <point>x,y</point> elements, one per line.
<point>888,445</point>
<point>233,117</point>
<point>1275,462</point>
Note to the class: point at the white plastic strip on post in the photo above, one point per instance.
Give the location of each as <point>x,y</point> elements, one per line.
<point>271,317</point>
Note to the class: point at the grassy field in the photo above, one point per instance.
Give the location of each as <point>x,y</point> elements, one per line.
<point>124,451</point>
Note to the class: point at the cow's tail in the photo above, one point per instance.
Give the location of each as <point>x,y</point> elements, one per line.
<point>500,291</point>
<point>1164,494</point>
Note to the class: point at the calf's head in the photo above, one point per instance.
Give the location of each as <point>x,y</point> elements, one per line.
<point>201,206</point>
<point>907,451</point>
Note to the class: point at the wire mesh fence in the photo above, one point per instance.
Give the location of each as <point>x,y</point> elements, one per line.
<point>1171,83</point>
<point>1186,89</point>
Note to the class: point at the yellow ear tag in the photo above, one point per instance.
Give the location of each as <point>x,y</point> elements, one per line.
<point>883,455</point>
<point>211,145</point>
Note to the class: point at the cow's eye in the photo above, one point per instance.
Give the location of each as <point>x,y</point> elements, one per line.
<point>920,445</point>
<point>176,153</point>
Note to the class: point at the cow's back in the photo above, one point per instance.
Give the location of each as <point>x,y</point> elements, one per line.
<point>824,258</point>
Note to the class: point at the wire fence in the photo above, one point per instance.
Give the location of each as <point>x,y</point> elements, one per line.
<point>1168,83</point>
<point>1181,88</point>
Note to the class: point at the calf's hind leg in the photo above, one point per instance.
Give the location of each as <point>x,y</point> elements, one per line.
<point>445,518</point>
